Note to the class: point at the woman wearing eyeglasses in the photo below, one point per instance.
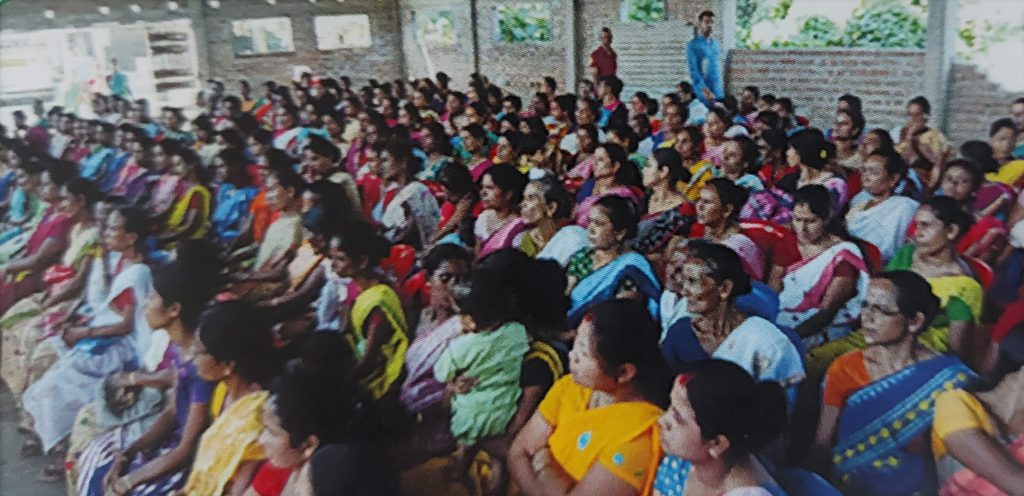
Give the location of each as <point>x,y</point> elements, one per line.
<point>878,403</point>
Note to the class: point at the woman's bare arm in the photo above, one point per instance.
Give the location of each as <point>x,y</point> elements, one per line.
<point>531,438</point>
<point>819,456</point>
<point>177,457</point>
<point>982,454</point>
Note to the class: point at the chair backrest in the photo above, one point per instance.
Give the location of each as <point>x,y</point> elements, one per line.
<point>872,255</point>
<point>777,242</point>
<point>400,261</point>
<point>982,271</point>
<point>801,482</point>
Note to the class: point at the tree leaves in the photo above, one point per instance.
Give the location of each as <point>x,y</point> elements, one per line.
<point>645,11</point>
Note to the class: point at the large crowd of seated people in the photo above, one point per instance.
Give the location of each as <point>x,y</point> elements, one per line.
<point>415,287</point>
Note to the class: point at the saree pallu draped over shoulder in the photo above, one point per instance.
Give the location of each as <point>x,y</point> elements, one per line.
<point>880,422</point>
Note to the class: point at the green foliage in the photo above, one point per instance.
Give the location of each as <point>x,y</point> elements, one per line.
<point>746,12</point>
<point>782,9</point>
<point>645,11</point>
<point>815,32</point>
<point>524,23</point>
<point>875,24</point>
<point>884,24</point>
<point>978,35</point>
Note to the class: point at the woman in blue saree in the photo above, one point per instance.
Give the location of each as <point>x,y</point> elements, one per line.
<point>235,193</point>
<point>712,281</point>
<point>607,269</point>
<point>879,402</point>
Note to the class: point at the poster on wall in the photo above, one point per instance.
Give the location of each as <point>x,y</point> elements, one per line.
<point>435,28</point>
<point>24,65</point>
<point>262,36</point>
<point>342,31</point>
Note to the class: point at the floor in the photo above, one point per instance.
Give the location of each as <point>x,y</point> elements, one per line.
<point>17,474</point>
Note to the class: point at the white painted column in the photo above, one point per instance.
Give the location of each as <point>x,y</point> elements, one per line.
<point>940,51</point>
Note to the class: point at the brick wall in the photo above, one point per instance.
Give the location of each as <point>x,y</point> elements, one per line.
<point>515,66</point>
<point>382,60</point>
<point>975,102</point>
<point>652,58</point>
<point>884,80</point>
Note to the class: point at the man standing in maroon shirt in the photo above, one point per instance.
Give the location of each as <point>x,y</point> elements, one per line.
<point>603,58</point>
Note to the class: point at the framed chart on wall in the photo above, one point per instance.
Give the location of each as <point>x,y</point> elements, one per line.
<point>268,35</point>
<point>342,31</point>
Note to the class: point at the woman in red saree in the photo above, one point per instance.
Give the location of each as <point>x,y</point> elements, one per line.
<point>23,276</point>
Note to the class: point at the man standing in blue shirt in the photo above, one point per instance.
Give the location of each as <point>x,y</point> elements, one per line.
<point>704,60</point>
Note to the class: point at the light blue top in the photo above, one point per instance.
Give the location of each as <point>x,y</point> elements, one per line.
<point>698,112</point>
<point>96,163</point>
<point>673,472</point>
<point>704,60</point>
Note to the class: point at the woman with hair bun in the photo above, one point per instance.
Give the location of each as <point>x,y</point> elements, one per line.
<point>668,213</point>
<point>545,207</point>
<point>878,403</point>
<point>236,349</point>
<point>322,435</point>
<point>376,328</point>
<point>157,461</point>
<point>810,153</point>
<point>718,210</point>
<point>821,293</point>
<point>22,325</point>
<point>718,420</point>
<point>40,240</point>
<point>594,432</point>
<point>607,269</point>
<point>110,333</point>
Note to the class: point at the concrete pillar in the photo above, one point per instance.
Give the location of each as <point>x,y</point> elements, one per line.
<point>403,71</point>
<point>725,24</point>
<point>572,51</point>
<point>940,52</point>
<point>475,23</point>
<point>196,12</point>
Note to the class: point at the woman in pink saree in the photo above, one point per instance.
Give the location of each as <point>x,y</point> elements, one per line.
<point>501,191</point>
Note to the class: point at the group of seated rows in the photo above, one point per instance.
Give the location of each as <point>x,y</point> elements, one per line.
<point>407,289</point>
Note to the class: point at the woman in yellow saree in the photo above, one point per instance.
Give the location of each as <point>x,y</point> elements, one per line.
<point>377,331</point>
<point>595,432</point>
<point>941,222</point>
<point>189,217</point>
<point>235,347</point>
